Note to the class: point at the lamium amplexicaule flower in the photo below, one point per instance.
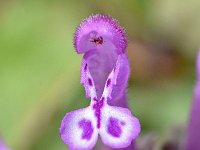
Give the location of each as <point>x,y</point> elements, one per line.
<point>104,74</point>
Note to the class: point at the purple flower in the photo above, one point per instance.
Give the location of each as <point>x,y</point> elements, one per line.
<point>193,133</point>
<point>104,74</point>
<point>2,145</point>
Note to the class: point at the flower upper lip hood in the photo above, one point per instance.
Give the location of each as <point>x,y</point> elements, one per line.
<point>103,42</point>
<point>100,26</point>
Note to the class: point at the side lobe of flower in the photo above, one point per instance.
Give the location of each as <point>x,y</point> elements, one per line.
<point>119,127</point>
<point>119,89</point>
<point>193,132</point>
<point>78,129</point>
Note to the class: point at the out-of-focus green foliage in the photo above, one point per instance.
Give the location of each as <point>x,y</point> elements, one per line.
<point>39,69</point>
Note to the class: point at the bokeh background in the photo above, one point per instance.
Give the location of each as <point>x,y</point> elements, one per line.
<point>39,69</point>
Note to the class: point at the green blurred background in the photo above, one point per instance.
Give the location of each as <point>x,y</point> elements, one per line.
<point>39,69</point>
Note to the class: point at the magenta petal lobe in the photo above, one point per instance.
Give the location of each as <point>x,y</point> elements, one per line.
<point>119,128</point>
<point>78,129</point>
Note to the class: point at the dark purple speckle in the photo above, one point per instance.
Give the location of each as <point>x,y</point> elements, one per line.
<point>108,82</point>
<point>87,128</point>
<point>90,82</point>
<point>95,99</point>
<point>102,98</point>
<point>85,68</point>
<point>114,128</point>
